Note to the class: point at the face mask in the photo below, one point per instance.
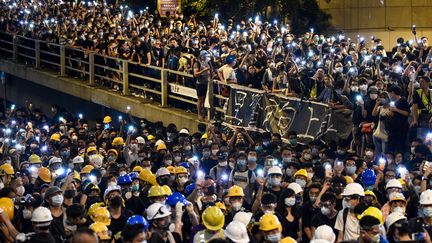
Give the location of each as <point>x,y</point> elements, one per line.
<point>325,211</point>
<point>223,164</point>
<point>293,141</point>
<point>122,173</point>
<point>206,154</point>
<point>289,201</point>
<point>288,172</point>
<point>236,206</point>
<point>214,151</point>
<point>27,214</point>
<point>310,175</point>
<point>301,182</point>
<point>187,148</point>
<point>427,211</point>
<point>65,154</point>
<point>241,162</point>
<point>346,204</point>
<point>69,193</point>
<point>354,88</point>
<point>339,69</point>
<point>413,150</point>
<point>373,96</point>
<point>182,181</point>
<point>274,237</point>
<point>275,181</point>
<point>417,189</point>
<point>168,162</point>
<point>111,158</point>
<point>177,158</point>
<point>112,183</point>
<point>57,200</point>
<point>252,159</point>
<point>34,146</point>
<point>350,170</point>
<point>398,209</point>
<point>312,199</point>
<point>116,201</point>
<point>20,191</point>
<point>134,147</point>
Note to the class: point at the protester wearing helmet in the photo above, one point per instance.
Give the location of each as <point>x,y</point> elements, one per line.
<point>221,172</point>
<point>159,217</point>
<point>271,228</point>
<point>235,197</point>
<point>113,199</point>
<point>370,226</point>
<point>54,200</point>
<point>347,222</point>
<point>301,178</point>
<point>101,231</point>
<point>181,178</point>
<point>213,220</point>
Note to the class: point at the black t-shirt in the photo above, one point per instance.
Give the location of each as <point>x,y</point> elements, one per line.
<point>156,238</point>
<point>57,227</point>
<point>143,50</point>
<point>419,101</point>
<point>135,204</point>
<point>207,164</point>
<point>320,219</point>
<point>399,122</point>
<point>118,224</point>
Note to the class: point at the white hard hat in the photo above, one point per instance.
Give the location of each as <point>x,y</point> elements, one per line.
<point>295,187</point>
<point>162,171</point>
<point>274,170</point>
<point>140,140</point>
<point>184,131</point>
<point>243,217</point>
<point>78,160</point>
<point>426,197</point>
<point>54,160</point>
<point>324,232</point>
<point>42,216</point>
<point>320,241</point>
<point>159,142</point>
<point>396,196</point>
<point>393,183</point>
<point>111,189</point>
<point>157,211</point>
<point>237,232</point>
<point>393,218</point>
<point>353,189</point>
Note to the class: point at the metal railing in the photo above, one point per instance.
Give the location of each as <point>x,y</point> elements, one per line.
<point>162,85</point>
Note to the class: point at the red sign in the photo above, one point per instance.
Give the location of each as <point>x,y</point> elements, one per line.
<point>165,6</point>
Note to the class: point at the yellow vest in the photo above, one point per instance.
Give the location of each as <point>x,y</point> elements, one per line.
<point>314,91</point>
<point>427,103</point>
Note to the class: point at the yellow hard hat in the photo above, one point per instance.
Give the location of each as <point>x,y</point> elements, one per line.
<point>370,193</point>
<point>157,191</point>
<point>87,169</point>
<point>373,212</point>
<point>137,169</point>
<point>113,151</point>
<point>171,169</point>
<point>117,141</point>
<point>45,174</point>
<point>301,172</point>
<point>204,136</point>
<point>8,206</point>
<point>161,147</point>
<point>55,137</point>
<point>147,176</point>
<point>235,191</point>
<point>349,179</point>
<point>101,231</point>
<point>6,169</point>
<point>181,170</point>
<point>150,137</point>
<point>76,175</point>
<point>101,215</point>
<point>402,181</point>
<point>269,222</point>
<point>34,159</point>
<point>91,149</point>
<point>93,208</point>
<point>220,205</point>
<point>167,190</point>
<point>288,240</point>
<point>107,119</point>
<point>213,218</point>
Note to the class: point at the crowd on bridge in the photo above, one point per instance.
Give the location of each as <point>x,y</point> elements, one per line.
<point>65,179</point>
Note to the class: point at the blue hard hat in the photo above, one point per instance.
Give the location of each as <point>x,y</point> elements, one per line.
<point>123,180</point>
<point>185,164</point>
<point>189,188</point>
<point>368,177</point>
<point>174,198</point>
<point>230,59</point>
<point>134,176</point>
<point>138,219</point>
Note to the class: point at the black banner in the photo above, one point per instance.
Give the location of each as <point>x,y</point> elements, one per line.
<point>261,111</point>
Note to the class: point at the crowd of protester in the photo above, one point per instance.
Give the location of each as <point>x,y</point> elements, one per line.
<point>63,179</point>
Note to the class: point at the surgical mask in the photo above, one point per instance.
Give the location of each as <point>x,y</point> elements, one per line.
<point>275,181</point>
<point>223,164</point>
<point>286,159</point>
<point>274,237</point>
<point>288,172</point>
<point>417,189</point>
<point>112,183</point>
<point>177,158</point>
<point>339,69</point>
<point>427,211</point>
<point>214,151</point>
<point>346,204</point>
<point>373,96</point>
<point>412,150</point>
<point>252,159</point>
<point>325,211</point>
<point>27,214</point>
<point>134,147</point>
<point>111,158</point>
<point>354,88</point>
<point>182,181</point>
<point>122,173</point>
<point>312,199</point>
<point>20,191</point>
<point>398,209</point>
<point>375,238</point>
<point>350,170</point>
<point>135,188</point>
<point>369,153</point>
<point>57,200</point>
<point>236,206</point>
<point>241,162</point>
<point>206,154</point>
<point>301,182</point>
<point>168,162</point>
<point>310,175</point>
<point>289,201</point>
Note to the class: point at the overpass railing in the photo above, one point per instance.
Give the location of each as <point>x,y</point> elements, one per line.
<point>168,88</point>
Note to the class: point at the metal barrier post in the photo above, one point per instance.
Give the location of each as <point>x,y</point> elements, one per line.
<point>210,111</point>
<point>91,69</point>
<point>62,61</point>
<point>15,48</point>
<point>37,54</point>
<point>125,73</point>
<point>164,87</point>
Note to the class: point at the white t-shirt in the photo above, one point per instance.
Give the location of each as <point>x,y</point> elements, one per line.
<point>352,226</point>
<point>228,73</point>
